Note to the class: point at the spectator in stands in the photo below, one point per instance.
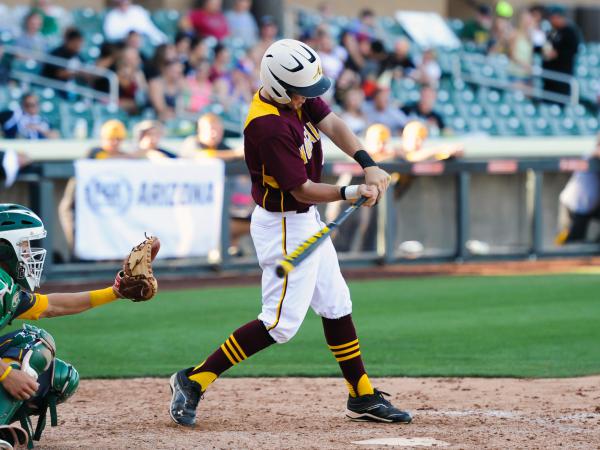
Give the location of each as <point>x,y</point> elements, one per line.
<point>478,30</point>
<point>208,143</point>
<point>268,34</point>
<point>561,49</point>
<point>377,143</point>
<point>354,60</point>
<point>400,60</point>
<point>579,203</point>
<point>50,25</point>
<point>428,70</point>
<point>365,24</point>
<point>538,35</point>
<point>221,63</point>
<point>198,54</point>
<point>135,40</point>
<point>502,31</point>
<point>147,135</point>
<point>11,162</point>
<point>380,110</point>
<point>332,56</point>
<point>198,88</point>
<point>109,54</point>
<point>521,49</point>
<point>112,135</point>
<point>162,54</point>
<point>132,83</point>
<point>424,111</point>
<point>347,81</point>
<point>31,37</point>
<point>69,50</point>
<point>183,43</point>
<point>125,17</point>
<point>241,23</point>
<point>5,63</point>
<point>413,140</point>
<point>165,92</point>
<point>242,88</point>
<point>206,20</point>
<point>352,114</point>
<point>25,121</point>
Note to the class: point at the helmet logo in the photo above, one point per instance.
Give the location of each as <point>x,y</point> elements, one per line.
<point>319,72</point>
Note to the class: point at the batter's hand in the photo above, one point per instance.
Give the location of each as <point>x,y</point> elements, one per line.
<point>375,176</point>
<point>20,385</point>
<point>371,192</point>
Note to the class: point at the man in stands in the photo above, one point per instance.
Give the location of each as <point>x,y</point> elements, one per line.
<point>561,49</point>
<point>69,50</point>
<point>380,110</point>
<point>478,30</point>
<point>424,111</point>
<point>25,122</point>
<point>207,20</point>
<point>125,17</point>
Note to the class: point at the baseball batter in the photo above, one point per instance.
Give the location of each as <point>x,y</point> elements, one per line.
<point>282,141</point>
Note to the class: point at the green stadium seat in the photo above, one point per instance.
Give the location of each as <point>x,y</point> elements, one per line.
<point>73,113</point>
<point>167,21</point>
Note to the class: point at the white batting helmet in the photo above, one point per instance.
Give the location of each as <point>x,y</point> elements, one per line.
<point>292,67</point>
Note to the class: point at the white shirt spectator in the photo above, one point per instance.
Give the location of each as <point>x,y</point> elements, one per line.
<point>119,22</point>
<point>391,117</point>
<point>242,26</point>
<point>357,124</point>
<point>333,61</point>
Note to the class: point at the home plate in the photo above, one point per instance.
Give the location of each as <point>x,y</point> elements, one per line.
<point>404,442</point>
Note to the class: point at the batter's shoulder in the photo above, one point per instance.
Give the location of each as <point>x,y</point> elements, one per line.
<point>267,127</point>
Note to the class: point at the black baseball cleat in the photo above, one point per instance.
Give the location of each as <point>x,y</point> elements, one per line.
<point>375,408</point>
<point>186,395</point>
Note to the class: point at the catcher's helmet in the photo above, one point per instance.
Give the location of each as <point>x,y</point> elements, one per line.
<point>292,67</point>
<point>18,226</point>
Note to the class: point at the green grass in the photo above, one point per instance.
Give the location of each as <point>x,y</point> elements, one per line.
<point>530,326</point>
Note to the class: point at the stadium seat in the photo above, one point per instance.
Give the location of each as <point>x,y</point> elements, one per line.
<point>73,113</point>
<point>167,21</point>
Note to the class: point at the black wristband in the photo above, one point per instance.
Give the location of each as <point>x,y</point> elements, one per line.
<point>343,192</point>
<point>364,159</point>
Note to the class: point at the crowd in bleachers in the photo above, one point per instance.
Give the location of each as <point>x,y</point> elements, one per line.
<point>175,66</point>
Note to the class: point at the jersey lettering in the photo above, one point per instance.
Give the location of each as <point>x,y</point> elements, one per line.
<point>311,136</point>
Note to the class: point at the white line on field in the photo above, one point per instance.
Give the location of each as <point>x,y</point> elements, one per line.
<point>515,415</point>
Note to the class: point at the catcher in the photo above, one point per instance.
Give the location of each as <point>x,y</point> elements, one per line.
<point>32,379</point>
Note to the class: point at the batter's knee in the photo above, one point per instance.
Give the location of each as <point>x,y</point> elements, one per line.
<point>282,334</point>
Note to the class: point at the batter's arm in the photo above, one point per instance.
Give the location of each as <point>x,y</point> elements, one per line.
<point>341,135</point>
<point>313,193</point>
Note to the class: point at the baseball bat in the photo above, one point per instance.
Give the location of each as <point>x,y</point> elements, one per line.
<point>304,250</point>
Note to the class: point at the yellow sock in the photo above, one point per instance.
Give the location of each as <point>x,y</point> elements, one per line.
<point>364,386</point>
<point>204,379</point>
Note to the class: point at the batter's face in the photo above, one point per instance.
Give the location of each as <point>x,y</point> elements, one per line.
<point>296,101</point>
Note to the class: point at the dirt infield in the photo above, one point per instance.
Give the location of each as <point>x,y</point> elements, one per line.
<point>282,413</point>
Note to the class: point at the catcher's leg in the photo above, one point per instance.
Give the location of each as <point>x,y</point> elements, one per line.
<point>32,350</point>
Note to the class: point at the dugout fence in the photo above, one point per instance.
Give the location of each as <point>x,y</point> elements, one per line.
<point>464,191</point>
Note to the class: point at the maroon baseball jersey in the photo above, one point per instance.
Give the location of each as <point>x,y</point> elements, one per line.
<point>283,150</point>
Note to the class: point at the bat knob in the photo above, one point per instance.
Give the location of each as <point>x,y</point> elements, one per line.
<point>283,268</point>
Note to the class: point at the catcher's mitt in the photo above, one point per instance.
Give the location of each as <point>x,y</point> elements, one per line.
<point>136,281</point>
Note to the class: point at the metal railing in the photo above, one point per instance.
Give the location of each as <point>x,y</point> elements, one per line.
<point>502,84</point>
<point>111,97</point>
<point>43,177</point>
